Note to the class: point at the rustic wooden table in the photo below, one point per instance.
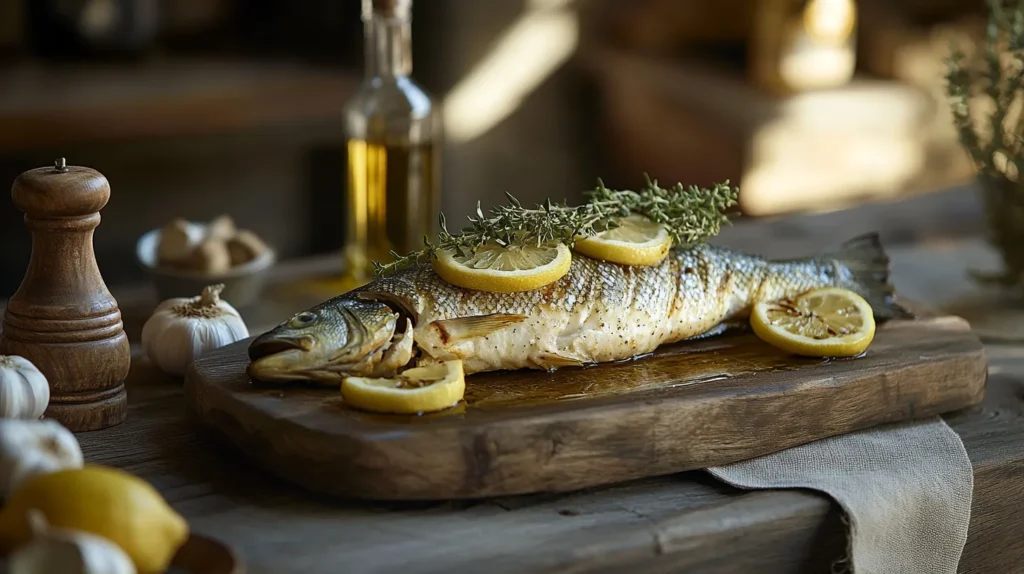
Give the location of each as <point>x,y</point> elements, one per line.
<point>681,523</point>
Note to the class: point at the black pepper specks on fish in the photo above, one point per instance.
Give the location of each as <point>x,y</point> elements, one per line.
<point>598,312</point>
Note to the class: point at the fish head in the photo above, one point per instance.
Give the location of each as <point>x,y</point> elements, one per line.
<point>342,337</point>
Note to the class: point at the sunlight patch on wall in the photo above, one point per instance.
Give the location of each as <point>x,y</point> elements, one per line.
<point>532,48</point>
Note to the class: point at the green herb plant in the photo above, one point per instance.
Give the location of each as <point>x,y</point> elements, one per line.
<point>690,214</point>
<point>986,100</point>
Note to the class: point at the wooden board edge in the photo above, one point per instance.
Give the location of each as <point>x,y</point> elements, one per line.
<point>478,468</point>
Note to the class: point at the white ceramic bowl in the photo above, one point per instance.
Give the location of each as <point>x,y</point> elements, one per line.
<point>243,284</point>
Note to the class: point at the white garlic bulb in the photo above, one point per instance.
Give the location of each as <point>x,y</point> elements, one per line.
<point>24,392</point>
<point>31,448</point>
<point>68,552</point>
<point>182,329</point>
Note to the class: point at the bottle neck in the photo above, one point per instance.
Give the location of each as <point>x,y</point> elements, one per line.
<point>388,47</point>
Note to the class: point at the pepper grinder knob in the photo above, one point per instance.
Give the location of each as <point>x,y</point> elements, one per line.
<point>62,317</point>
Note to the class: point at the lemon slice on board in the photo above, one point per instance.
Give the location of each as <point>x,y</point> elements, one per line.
<point>505,269</point>
<point>637,241</point>
<point>829,322</point>
<point>419,390</point>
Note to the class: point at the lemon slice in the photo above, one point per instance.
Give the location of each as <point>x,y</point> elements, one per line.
<point>637,241</point>
<point>505,269</point>
<point>419,390</point>
<point>829,322</point>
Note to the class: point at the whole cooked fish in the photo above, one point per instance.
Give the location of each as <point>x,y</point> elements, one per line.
<point>597,312</point>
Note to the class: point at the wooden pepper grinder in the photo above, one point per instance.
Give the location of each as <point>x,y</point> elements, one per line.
<point>63,318</point>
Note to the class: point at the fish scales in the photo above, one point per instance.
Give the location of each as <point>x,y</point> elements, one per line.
<point>597,312</point>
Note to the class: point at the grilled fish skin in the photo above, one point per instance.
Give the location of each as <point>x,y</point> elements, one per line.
<point>597,312</point>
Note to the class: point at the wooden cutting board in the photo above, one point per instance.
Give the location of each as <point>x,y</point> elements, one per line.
<point>689,406</point>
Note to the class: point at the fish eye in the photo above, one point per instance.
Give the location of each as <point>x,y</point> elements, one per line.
<point>303,319</point>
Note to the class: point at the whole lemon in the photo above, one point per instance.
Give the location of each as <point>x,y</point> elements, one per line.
<point>105,501</point>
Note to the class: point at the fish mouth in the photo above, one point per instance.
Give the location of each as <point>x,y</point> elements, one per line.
<point>274,357</point>
<point>268,344</point>
<point>278,366</point>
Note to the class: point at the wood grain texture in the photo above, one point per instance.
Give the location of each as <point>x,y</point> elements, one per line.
<point>689,406</point>
<point>63,318</point>
<point>686,522</point>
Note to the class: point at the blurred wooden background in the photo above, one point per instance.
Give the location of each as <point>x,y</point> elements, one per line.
<point>221,106</point>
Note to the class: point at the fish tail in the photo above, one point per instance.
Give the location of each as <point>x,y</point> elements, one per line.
<point>868,275</point>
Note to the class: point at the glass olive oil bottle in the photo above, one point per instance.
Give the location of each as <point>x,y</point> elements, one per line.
<point>393,130</point>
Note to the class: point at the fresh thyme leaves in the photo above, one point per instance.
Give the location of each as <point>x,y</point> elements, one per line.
<point>984,92</point>
<point>997,144</point>
<point>690,214</point>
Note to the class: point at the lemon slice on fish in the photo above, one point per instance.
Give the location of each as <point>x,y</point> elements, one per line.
<point>505,269</point>
<point>828,322</point>
<point>636,241</point>
<point>419,390</point>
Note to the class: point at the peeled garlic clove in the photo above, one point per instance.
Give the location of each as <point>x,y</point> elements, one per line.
<point>67,551</point>
<point>177,239</point>
<point>222,228</point>
<point>210,256</point>
<point>245,246</point>
<point>182,329</point>
<point>24,391</point>
<point>31,448</point>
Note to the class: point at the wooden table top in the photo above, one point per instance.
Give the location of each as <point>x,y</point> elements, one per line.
<point>686,522</point>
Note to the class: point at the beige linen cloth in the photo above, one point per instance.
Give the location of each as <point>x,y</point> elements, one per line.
<point>906,490</point>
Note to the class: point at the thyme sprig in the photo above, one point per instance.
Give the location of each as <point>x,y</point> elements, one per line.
<point>985,95</point>
<point>690,214</point>
<point>995,143</point>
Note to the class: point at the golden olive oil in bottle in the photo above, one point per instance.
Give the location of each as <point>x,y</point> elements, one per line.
<point>393,128</point>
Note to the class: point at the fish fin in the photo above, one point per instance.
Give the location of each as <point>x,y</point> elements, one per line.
<point>556,361</point>
<point>454,330</point>
<point>718,330</point>
<point>868,266</point>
